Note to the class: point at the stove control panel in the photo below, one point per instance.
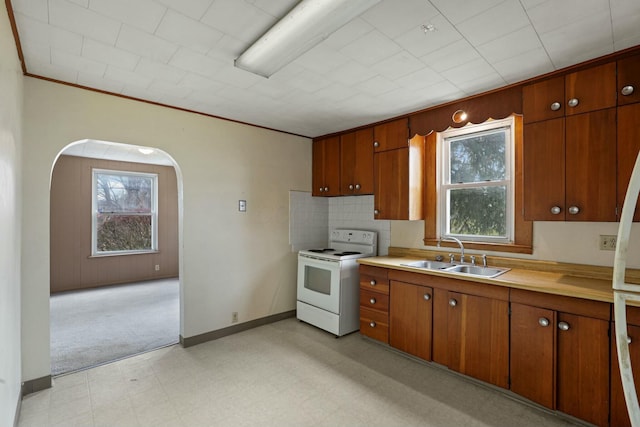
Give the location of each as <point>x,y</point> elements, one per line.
<point>354,236</point>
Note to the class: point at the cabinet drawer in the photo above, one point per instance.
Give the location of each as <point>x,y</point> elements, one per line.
<point>374,324</point>
<point>374,300</point>
<point>374,283</point>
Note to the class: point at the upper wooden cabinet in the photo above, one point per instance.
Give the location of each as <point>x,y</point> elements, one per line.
<point>356,162</point>
<point>560,355</point>
<point>398,181</point>
<point>391,135</point>
<point>326,167</point>
<point>629,80</point>
<point>586,90</point>
<point>410,318</point>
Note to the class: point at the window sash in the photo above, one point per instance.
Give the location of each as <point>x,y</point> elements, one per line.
<point>444,186</point>
<point>151,212</point>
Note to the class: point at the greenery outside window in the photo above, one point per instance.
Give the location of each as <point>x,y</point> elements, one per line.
<point>124,212</point>
<point>475,182</point>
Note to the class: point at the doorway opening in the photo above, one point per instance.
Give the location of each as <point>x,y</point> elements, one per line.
<point>115,262</point>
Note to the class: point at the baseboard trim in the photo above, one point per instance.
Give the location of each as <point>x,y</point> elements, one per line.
<point>230,330</point>
<point>16,417</point>
<point>37,384</point>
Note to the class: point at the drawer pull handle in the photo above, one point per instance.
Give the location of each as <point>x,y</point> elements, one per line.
<point>373,283</point>
<point>372,324</point>
<point>372,300</point>
<point>543,321</point>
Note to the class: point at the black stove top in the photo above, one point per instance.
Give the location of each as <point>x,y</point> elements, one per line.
<point>320,251</point>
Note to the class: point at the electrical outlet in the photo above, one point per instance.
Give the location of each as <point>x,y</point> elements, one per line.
<point>234,317</point>
<point>608,242</point>
<point>157,267</point>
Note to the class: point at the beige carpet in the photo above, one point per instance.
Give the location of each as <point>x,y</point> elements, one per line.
<point>96,326</point>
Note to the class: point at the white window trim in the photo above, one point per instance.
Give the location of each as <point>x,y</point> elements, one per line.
<point>442,168</point>
<point>94,214</point>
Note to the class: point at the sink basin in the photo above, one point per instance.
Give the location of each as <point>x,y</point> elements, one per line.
<point>474,270</point>
<point>430,265</point>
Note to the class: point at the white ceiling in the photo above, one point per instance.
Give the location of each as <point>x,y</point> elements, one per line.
<point>380,65</point>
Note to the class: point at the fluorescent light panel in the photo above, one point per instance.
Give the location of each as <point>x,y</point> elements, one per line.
<point>306,25</point>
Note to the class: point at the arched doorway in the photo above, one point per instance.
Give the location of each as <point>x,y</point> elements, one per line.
<point>114,267</point>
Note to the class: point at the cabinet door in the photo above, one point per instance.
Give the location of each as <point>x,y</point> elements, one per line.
<point>591,166</point>
<point>583,368</point>
<point>629,75</point>
<point>356,162</point>
<point>628,148</point>
<point>326,167</point>
<point>391,135</point>
<point>533,337</point>
<point>391,172</point>
<point>543,100</point>
<point>544,170</point>
<point>478,337</point>
<point>593,88</point>
<point>619,413</point>
<point>410,318</point>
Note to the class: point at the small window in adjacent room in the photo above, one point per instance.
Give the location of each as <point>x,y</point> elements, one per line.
<point>475,182</point>
<point>124,212</point>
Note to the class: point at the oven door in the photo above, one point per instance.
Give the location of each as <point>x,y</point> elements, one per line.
<point>319,283</point>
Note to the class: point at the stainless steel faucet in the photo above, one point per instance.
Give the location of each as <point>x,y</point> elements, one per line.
<point>455,239</point>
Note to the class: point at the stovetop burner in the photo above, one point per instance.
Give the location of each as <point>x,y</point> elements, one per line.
<point>319,251</point>
<point>345,253</point>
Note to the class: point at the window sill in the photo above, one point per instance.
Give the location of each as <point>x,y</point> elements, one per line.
<point>483,246</point>
<point>124,253</point>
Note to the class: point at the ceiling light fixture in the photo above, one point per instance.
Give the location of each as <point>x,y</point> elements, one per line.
<point>428,28</point>
<point>306,25</point>
<point>145,151</point>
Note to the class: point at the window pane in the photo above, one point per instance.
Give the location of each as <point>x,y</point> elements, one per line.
<point>123,232</point>
<point>478,158</point>
<point>478,211</point>
<point>124,193</point>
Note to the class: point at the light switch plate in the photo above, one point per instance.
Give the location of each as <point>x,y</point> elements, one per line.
<point>608,242</point>
<point>242,205</point>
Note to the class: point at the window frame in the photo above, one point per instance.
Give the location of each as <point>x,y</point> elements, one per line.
<point>443,165</point>
<point>94,213</point>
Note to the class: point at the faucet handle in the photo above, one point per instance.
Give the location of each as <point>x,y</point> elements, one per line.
<point>451,258</point>
<point>484,260</point>
<point>473,260</point>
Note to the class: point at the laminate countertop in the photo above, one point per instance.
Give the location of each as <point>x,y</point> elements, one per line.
<point>555,283</point>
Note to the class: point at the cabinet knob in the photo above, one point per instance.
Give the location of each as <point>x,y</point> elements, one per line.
<point>321,189</point>
<point>563,326</point>
<point>628,340</point>
<point>555,106</point>
<point>627,90</point>
<point>376,144</point>
<point>573,102</point>
<point>453,302</point>
<point>350,186</point>
<point>426,297</point>
<point>326,189</point>
<point>376,211</point>
<point>556,210</point>
<point>543,321</point>
<point>372,283</point>
<point>372,300</point>
<point>372,324</point>
<point>574,210</point>
<point>357,186</point>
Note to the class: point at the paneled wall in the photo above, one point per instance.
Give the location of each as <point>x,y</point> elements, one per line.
<point>72,266</point>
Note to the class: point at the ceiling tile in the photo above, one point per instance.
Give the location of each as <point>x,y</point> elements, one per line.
<point>371,48</point>
<point>98,82</point>
<point>555,15</point>
<point>163,88</point>
<point>524,65</point>
<point>422,78</point>
<point>469,71</point>
<point>37,51</point>
<point>351,73</point>
<point>398,65</point>
<point>227,48</point>
<point>442,59</point>
<point>239,19</point>
<point>336,92</point>
<point>393,21</point>
<point>493,23</point>
<point>196,82</point>
<point>441,92</point>
<point>236,77</point>
<point>127,77</point>
<point>309,81</point>
<point>376,86</point>
<point>322,59</point>
<point>83,3</point>
<point>277,8</point>
<point>481,84</point>
<point>79,63</point>
<point>140,93</point>
<point>420,43</point>
<point>510,45</point>
<point>196,63</point>
<point>145,44</point>
<point>32,8</point>
<point>142,14</point>
<point>192,8</point>
<point>56,72</point>
<point>187,32</point>
<point>348,33</point>
<point>40,33</point>
<point>108,54</point>
<point>156,70</point>
<point>457,11</point>
<point>83,21</point>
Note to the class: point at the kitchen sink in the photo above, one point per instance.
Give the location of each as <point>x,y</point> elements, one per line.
<point>429,265</point>
<point>471,270</point>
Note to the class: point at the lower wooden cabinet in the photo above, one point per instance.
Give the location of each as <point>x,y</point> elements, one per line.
<point>410,318</point>
<point>560,359</point>
<point>374,303</point>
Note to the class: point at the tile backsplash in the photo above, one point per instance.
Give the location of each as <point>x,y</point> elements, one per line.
<point>357,212</point>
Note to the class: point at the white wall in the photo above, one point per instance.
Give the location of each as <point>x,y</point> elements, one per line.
<point>572,242</point>
<point>232,261</point>
<point>11,93</point>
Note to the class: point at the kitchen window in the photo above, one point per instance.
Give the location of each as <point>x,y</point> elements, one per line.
<point>124,212</point>
<point>475,188</point>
